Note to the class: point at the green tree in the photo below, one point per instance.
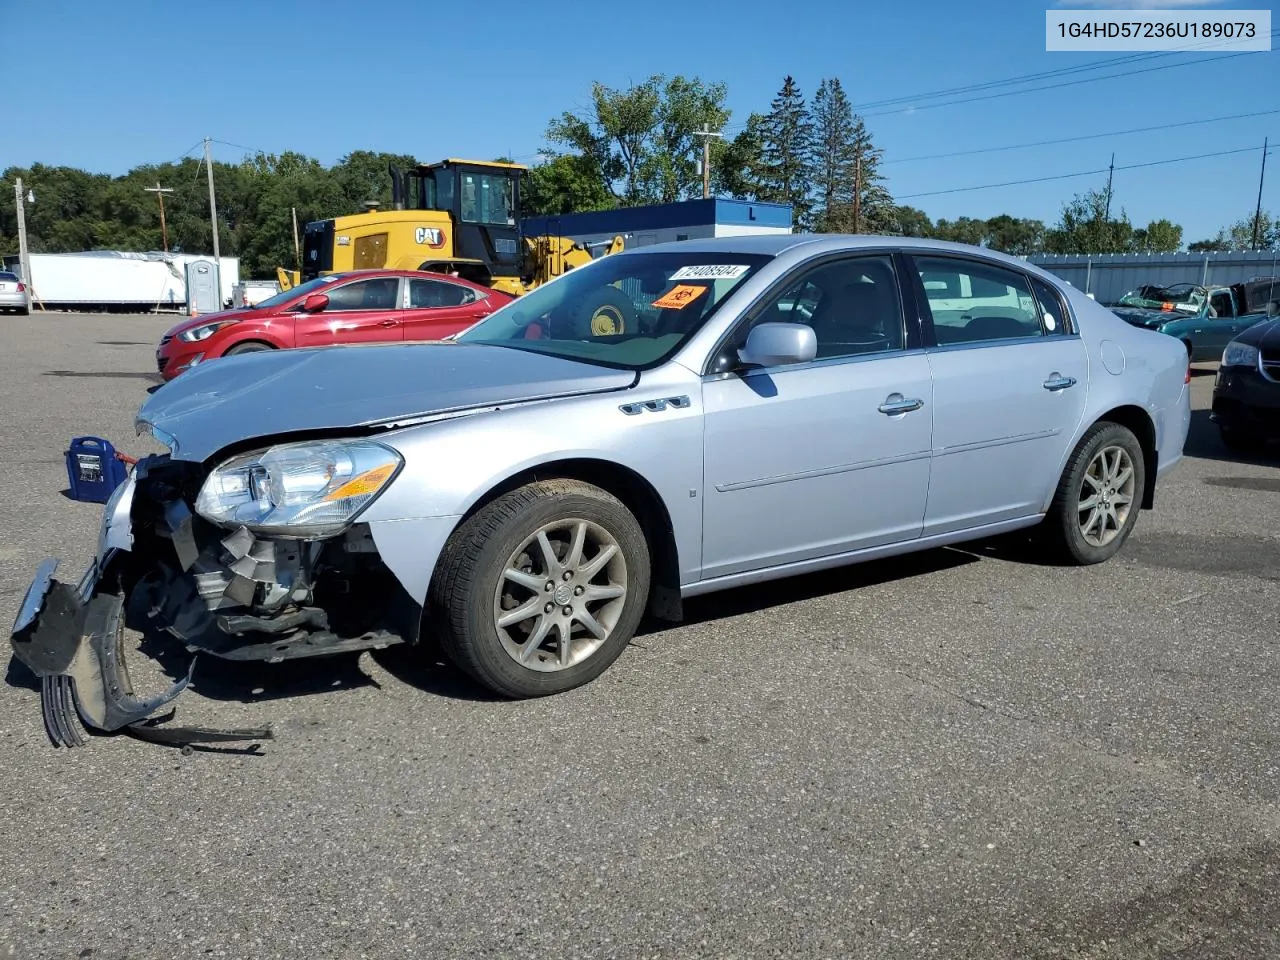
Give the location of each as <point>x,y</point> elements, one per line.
<point>738,169</point>
<point>900,221</point>
<point>641,139</point>
<point>787,155</point>
<point>835,158</point>
<point>570,183</point>
<point>671,171</point>
<point>1239,235</point>
<point>1084,227</point>
<point>1014,235</point>
<point>961,230</point>
<point>1158,236</point>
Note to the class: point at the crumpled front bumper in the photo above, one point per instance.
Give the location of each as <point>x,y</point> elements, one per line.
<point>71,640</point>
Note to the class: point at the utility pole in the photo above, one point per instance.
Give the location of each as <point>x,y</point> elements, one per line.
<point>1257,213</point>
<point>297,248</point>
<point>160,191</point>
<point>24,258</point>
<point>1110,174</point>
<point>857,194</point>
<point>213,219</point>
<point>706,134</point>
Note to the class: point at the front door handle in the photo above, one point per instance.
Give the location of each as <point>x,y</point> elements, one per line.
<point>1057,382</point>
<point>896,403</point>
<point>388,323</point>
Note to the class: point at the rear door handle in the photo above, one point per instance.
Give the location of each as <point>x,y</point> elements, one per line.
<point>896,403</point>
<point>389,323</point>
<point>1057,381</point>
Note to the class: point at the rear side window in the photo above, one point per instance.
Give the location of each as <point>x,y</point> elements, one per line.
<point>1053,311</point>
<point>426,294</point>
<point>976,302</point>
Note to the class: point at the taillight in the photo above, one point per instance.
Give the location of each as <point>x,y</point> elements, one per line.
<point>22,288</point>
<point>1188,377</point>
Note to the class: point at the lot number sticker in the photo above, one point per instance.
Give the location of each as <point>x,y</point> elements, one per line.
<point>710,271</point>
<point>679,297</point>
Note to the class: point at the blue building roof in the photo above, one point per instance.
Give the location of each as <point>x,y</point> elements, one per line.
<point>663,216</point>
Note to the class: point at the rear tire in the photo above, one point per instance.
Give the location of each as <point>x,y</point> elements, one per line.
<point>1098,498</point>
<point>498,602</point>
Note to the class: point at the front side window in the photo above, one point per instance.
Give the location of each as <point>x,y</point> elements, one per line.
<point>852,305</point>
<point>377,293</point>
<point>426,294</point>
<point>487,198</point>
<point>976,302</point>
<point>1220,304</point>
<point>629,310</point>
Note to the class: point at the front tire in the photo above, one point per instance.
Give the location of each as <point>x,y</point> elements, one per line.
<point>542,589</point>
<point>251,346</point>
<point>1098,498</point>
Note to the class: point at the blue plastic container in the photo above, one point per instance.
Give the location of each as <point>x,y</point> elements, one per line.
<point>93,470</point>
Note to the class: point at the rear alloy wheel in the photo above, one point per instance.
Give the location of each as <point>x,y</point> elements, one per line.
<point>1099,496</point>
<point>541,590</point>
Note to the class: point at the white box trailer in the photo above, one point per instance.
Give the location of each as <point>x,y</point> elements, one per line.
<point>118,280</point>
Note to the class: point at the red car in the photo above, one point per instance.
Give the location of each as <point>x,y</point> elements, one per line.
<point>362,306</point>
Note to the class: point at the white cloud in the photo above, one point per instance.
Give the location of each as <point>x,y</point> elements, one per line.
<point>1138,4</point>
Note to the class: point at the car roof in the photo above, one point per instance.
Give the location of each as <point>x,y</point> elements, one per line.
<point>777,244</point>
<point>369,272</point>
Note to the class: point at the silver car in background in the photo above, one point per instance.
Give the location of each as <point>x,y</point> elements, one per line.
<point>658,424</point>
<point>13,293</point>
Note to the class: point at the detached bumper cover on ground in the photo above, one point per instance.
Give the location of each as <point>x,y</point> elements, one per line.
<point>71,640</point>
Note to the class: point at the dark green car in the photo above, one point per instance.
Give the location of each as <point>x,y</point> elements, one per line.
<point>1206,319</point>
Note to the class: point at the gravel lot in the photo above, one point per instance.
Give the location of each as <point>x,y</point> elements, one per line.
<point>959,754</point>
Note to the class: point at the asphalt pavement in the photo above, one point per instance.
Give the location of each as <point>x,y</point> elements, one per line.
<point>963,753</point>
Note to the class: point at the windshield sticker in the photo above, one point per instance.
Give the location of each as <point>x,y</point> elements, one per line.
<point>711,271</point>
<point>679,297</point>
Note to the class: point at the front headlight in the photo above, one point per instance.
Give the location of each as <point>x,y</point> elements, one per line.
<point>304,490</point>
<point>204,332</point>
<point>1240,355</point>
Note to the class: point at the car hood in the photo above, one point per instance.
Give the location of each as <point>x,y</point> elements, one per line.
<point>1265,334</point>
<point>1141,317</point>
<point>234,399</point>
<point>237,313</point>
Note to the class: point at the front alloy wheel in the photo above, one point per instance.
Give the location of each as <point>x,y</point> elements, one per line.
<point>561,594</point>
<point>542,589</point>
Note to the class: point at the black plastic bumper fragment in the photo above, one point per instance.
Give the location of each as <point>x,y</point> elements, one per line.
<point>75,650</point>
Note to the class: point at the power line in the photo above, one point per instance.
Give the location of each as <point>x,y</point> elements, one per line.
<point>1069,176</point>
<point>1082,137</point>
<point>1068,83</point>
<point>1046,74</point>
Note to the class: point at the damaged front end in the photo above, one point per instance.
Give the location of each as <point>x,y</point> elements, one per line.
<point>266,579</point>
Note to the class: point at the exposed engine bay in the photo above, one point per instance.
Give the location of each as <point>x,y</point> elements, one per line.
<point>230,593</point>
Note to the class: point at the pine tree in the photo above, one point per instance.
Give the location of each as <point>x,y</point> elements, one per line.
<point>848,164</point>
<point>835,160</point>
<point>787,168</point>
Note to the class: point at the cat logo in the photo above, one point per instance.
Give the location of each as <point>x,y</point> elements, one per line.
<point>431,236</point>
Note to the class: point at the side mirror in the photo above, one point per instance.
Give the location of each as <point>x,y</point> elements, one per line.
<point>776,344</point>
<point>315,302</point>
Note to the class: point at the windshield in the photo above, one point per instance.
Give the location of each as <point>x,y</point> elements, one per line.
<point>311,286</point>
<point>629,310</point>
<point>1177,293</point>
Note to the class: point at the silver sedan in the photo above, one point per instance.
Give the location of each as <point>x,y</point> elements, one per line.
<point>13,295</point>
<point>655,425</point>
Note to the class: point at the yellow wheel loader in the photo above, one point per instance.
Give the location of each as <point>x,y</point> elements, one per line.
<point>458,217</point>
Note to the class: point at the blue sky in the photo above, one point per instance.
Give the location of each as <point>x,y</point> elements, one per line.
<point>106,86</point>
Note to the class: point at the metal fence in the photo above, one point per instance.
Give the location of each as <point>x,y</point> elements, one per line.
<point>1110,276</point>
